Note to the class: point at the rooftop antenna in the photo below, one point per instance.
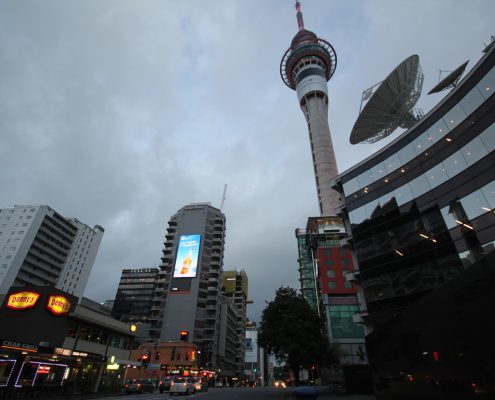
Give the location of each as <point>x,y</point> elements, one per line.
<point>450,81</point>
<point>224,196</point>
<point>391,105</point>
<point>300,22</point>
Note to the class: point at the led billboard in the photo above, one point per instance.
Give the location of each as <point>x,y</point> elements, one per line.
<point>186,263</point>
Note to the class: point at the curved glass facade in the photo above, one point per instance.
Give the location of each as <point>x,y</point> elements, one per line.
<point>421,219</point>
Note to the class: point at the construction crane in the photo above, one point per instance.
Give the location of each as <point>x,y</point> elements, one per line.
<point>224,196</point>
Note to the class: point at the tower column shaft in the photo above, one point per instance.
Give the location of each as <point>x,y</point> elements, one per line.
<point>315,108</point>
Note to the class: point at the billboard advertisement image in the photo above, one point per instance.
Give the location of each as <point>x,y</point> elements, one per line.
<point>186,263</point>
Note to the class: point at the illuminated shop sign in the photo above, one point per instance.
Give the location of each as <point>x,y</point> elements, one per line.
<point>62,351</point>
<point>44,369</point>
<point>58,305</point>
<point>11,344</point>
<point>79,354</point>
<point>186,263</point>
<point>22,300</point>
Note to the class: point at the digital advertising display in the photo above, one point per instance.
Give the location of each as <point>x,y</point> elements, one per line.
<point>186,263</point>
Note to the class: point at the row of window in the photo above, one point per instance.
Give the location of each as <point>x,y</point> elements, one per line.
<point>95,335</point>
<point>333,285</point>
<point>468,155</point>
<point>471,101</point>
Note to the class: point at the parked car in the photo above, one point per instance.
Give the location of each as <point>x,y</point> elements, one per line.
<point>164,385</point>
<point>200,384</point>
<point>139,386</point>
<point>181,385</point>
<point>279,384</point>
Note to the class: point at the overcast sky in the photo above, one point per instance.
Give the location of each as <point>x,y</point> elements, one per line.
<point>121,112</point>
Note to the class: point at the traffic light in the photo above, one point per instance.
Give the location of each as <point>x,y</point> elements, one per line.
<point>145,360</point>
<point>184,336</point>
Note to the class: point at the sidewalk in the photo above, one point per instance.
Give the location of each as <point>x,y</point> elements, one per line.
<point>325,393</point>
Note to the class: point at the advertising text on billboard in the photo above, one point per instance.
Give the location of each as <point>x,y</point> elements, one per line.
<point>186,263</point>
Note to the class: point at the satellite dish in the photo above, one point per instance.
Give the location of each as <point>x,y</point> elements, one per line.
<point>391,105</point>
<point>450,80</point>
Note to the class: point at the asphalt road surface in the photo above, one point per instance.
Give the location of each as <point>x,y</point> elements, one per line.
<point>257,393</point>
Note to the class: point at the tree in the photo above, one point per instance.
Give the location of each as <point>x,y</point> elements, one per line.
<point>292,331</point>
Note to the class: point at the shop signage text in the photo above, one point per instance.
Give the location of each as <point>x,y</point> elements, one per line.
<point>58,305</point>
<point>10,344</point>
<point>22,300</point>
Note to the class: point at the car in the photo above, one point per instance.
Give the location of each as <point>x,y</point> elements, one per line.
<point>164,385</point>
<point>139,386</point>
<point>279,384</point>
<point>200,384</point>
<point>181,385</point>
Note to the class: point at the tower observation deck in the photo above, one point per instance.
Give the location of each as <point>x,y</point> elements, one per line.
<point>306,67</point>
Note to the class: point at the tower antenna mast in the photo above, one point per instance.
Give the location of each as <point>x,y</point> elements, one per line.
<point>300,22</point>
<point>224,196</point>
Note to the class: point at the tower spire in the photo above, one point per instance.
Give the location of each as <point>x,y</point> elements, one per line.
<point>300,22</point>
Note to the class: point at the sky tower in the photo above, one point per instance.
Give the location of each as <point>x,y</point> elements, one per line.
<point>306,67</point>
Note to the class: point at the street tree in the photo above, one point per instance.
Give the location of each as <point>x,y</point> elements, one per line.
<point>292,331</point>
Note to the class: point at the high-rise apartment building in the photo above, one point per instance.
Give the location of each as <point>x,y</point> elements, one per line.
<point>235,286</point>
<point>227,338</point>
<point>188,287</point>
<point>38,246</point>
<point>135,295</point>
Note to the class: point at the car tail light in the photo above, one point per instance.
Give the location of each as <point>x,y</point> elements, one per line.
<point>172,383</point>
<point>139,385</point>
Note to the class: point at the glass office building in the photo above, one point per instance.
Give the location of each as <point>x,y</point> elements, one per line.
<point>421,220</point>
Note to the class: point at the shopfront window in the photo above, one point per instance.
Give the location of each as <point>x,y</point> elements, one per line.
<point>40,374</point>
<point>5,369</point>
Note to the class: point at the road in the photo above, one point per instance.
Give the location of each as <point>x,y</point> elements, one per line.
<point>258,393</point>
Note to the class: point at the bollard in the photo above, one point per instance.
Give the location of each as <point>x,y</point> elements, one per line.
<point>306,393</point>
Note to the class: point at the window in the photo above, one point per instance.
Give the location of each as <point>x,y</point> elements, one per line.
<point>344,261</point>
<point>328,262</point>
<point>348,285</point>
<point>330,273</point>
<point>332,285</point>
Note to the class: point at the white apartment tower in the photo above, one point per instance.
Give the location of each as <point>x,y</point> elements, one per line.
<point>38,246</point>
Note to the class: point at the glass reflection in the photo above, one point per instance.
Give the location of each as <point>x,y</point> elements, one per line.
<point>471,101</point>
<point>454,117</point>
<point>454,164</point>
<point>487,84</point>
<point>474,151</point>
<point>438,131</point>
<point>475,204</point>
<point>488,137</point>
